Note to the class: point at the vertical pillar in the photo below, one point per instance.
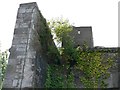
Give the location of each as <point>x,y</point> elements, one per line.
<point>20,68</point>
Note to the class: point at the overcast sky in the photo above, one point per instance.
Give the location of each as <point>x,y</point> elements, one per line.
<point>102,15</point>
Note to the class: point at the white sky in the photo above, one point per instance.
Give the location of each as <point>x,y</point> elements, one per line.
<point>102,15</point>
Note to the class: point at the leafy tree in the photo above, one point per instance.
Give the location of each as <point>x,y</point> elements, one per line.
<point>3,64</point>
<point>60,28</point>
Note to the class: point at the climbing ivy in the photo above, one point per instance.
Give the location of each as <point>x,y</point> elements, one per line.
<point>95,68</point>
<point>56,78</point>
<point>48,48</point>
<point>94,65</point>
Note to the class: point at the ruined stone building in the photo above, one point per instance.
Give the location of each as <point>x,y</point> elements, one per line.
<point>84,34</point>
<point>28,54</point>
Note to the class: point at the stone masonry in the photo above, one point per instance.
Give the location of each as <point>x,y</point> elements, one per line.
<point>20,70</point>
<point>82,35</point>
<point>30,46</point>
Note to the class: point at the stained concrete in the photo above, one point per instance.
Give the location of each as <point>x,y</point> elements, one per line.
<point>20,69</point>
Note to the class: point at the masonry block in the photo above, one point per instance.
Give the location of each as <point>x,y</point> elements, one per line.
<point>20,72</point>
<point>82,35</point>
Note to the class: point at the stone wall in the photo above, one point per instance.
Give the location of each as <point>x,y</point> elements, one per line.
<point>28,54</point>
<point>82,35</point>
<point>31,50</point>
<point>22,55</point>
<point>113,80</point>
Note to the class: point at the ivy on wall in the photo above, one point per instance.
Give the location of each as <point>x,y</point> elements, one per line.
<point>48,46</point>
<point>57,77</point>
<point>94,65</point>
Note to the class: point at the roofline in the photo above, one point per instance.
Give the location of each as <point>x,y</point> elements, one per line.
<point>83,27</point>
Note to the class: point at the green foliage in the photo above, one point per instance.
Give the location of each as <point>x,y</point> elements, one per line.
<point>47,45</point>
<point>95,68</point>
<point>94,65</point>
<point>56,78</point>
<point>3,64</point>
<point>53,54</point>
<point>43,33</point>
<point>60,27</point>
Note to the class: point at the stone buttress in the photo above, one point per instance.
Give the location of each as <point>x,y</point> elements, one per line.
<point>20,69</point>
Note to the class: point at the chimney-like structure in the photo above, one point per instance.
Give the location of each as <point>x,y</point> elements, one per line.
<point>29,53</point>
<point>21,71</point>
<point>82,35</point>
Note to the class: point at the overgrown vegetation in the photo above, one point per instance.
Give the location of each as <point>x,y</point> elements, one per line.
<point>56,78</point>
<point>94,66</point>
<point>3,64</point>
<point>48,48</point>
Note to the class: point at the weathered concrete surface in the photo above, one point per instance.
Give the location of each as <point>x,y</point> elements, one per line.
<point>29,51</point>
<point>21,69</point>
